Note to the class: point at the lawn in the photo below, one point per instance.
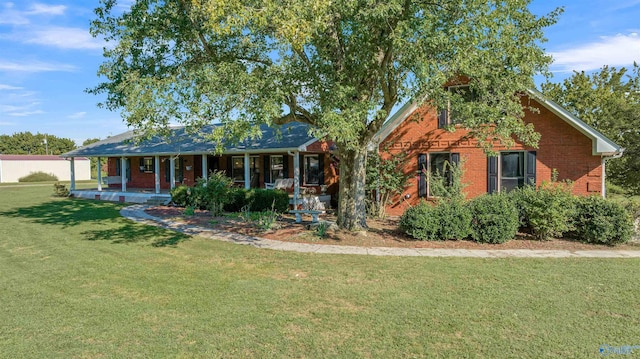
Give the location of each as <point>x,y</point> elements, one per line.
<point>80,281</point>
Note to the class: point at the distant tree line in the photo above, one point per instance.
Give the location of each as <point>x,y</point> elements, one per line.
<point>26,143</point>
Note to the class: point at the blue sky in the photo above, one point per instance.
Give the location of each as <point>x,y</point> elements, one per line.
<point>48,58</point>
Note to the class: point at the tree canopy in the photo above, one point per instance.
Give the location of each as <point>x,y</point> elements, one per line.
<point>608,100</point>
<point>26,143</point>
<point>340,66</point>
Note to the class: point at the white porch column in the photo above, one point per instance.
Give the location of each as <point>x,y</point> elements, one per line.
<point>172,172</point>
<point>205,170</point>
<point>296,179</point>
<point>123,174</point>
<point>156,172</point>
<point>99,174</point>
<point>247,174</point>
<point>73,174</point>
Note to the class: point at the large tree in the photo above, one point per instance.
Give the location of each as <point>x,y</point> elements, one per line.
<point>340,66</point>
<point>609,100</point>
<point>26,143</point>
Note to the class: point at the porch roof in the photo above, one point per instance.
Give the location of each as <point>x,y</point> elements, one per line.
<point>288,137</point>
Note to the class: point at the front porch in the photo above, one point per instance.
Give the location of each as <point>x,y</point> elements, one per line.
<point>131,195</point>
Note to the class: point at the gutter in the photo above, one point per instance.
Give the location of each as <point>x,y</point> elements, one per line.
<point>604,159</point>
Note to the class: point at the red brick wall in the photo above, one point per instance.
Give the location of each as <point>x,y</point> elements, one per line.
<point>561,147</point>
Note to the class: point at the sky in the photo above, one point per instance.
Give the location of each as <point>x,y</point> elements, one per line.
<point>48,59</point>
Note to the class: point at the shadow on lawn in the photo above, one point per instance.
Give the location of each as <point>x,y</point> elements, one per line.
<point>95,216</point>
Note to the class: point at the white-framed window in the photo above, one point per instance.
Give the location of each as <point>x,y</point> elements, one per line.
<point>434,163</point>
<point>311,170</point>
<point>510,170</point>
<point>276,167</point>
<point>147,165</point>
<point>237,167</point>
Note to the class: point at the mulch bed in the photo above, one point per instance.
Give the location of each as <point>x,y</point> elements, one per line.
<point>381,233</point>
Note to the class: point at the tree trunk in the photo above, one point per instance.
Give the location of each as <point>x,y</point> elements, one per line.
<point>352,212</point>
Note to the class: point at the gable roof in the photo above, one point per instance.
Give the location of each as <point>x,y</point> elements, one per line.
<point>288,137</point>
<point>601,145</point>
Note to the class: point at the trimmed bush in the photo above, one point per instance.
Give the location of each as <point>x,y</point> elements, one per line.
<point>38,177</point>
<point>455,219</point>
<point>60,190</point>
<point>421,222</point>
<point>547,211</point>
<point>179,195</point>
<point>602,221</point>
<point>495,218</point>
<point>258,200</point>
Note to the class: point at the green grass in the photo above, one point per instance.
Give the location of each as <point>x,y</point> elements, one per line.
<point>80,281</point>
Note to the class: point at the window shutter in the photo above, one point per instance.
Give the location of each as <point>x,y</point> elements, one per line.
<point>301,169</point>
<point>442,118</point>
<point>229,166</point>
<point>142,163</point>
<point>266,165</point>
<point>285,166</point>
<point>153,164</point>
<point>321,168</point>
<point>180,169</point>
<point>167,169</point>
<point>118,169</point>
<point>530,174</point>
<point>128,169</point>
<point>422,176</point>
<point>492,169</point>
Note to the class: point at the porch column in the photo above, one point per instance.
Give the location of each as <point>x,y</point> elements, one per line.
<point>156,172</point>
<point>296,179</point>
<point>172,172</point>
<point>247,174</point>
<point>205,170</point>
<point>73,174</point>
<point>99,174</point>
<point>123,174</point>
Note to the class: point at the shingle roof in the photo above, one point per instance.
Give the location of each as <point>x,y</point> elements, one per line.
<point>291,137</point>
<point>34,158</point>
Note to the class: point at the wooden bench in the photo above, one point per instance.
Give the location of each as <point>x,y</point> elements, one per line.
<point>280,183</point>
<point>299,212</point>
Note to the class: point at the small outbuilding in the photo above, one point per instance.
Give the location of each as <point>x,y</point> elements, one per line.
<point>14,167</point>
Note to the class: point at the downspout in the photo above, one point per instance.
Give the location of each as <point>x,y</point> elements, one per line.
<point>604,159</point>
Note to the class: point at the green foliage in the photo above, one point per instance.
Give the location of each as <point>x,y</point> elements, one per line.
<point>211,194</point>
<point>340,66</point>
<point>445,220</point>
<point>26,143</point>
<point>60,190</point>
<point>189,211</point>
<point>258,200</point>
<point>94,160</point>
<point>495,218</point>
<point>599,220</point>
<point>267,220</point>
<point>38,177</point>
<point>608,100</point>
<point>447,186</point>
<point>321,229</point>
<point>385,178</point>
<point>613,188</point>
<point>547,211</point>
<point>180,195</point>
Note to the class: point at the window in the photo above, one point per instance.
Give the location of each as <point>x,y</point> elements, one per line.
<point>276,167</point>
<point>147,165</point>
<point>450,116</point>
<point>237,167</point>
<point>311,170</point>
<point>512,169</point>
<point>438,165</point>
<point>119,169</point>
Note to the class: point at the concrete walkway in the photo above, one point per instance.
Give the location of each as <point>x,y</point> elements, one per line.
<point>136,213</point>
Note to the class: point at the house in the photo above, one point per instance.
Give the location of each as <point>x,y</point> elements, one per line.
<point>568,147</point>
<point>141,170</point>
<point>14,167</point>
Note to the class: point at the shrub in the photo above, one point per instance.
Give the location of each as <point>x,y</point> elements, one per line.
<point>495,218</point>
<point>547,211</point>
<point>455,219</point>
<point>179,195</point>
<point>38,177</point>
<point>60,190</point>
<point>212,193</point>
<point>421,222</point>
<point>602,221</point>
<point>258,200</point>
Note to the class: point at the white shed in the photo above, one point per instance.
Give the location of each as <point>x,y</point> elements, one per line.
<point>13,167</point>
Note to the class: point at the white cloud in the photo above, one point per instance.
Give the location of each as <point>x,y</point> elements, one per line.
<point>8,15</point>
<point>9,87</point>
<point>61,37</point>
<point>37,9</point>
<point>77,115</point>
<point>619,50</point>
<point>34,66</point>
<point>4,123</point>
<point>26,113</point>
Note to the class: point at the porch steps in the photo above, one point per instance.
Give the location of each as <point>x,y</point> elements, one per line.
<point>158,200</point>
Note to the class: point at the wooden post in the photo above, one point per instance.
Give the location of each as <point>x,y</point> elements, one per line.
<point>156,173</point>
